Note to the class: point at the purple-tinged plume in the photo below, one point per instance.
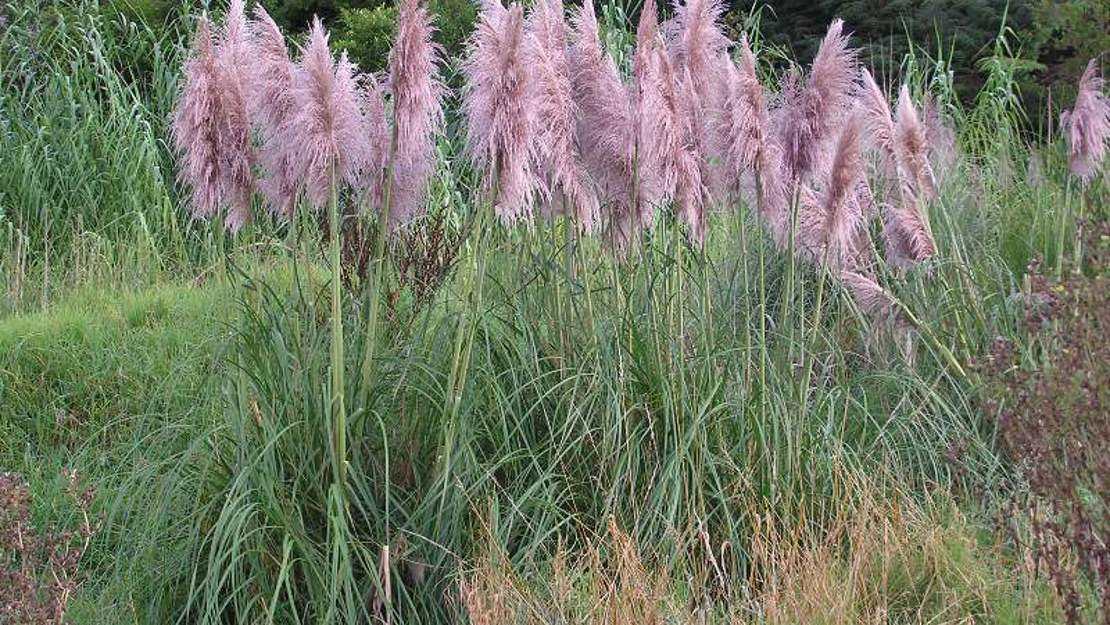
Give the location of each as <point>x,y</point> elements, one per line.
<point>417,109</point>
<point>911,148</point>
<point>871,298</point>
<point>328,127</point>
<point>877,121</point>
<point>606,126</point>
<point>272,108</point>
<point>500,114</point>
<point>744,122</point>
<point>831,225</point>
<point>1087,125</point>
<point>700,50</point>
<point>557,157</point>
<point>814,112</point>
<point>233,56</point>
<point>647,39</point>
<point>907,236</point>
<point>196,125</point>
<point>691,193</point>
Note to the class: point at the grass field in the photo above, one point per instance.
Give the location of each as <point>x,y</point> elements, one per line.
<point>684,434</point>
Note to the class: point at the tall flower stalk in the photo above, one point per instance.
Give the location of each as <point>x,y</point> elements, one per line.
<point>329,130</point>
<point>417,120</point>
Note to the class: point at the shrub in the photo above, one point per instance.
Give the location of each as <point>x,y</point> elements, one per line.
<point>38,568</point>
<point>1053,421</point>
<point>367,35</point>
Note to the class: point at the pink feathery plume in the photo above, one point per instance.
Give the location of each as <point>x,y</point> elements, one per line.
<point>877,120</point>
<point>817,108</point>
<point>907,237</point>
<point>1087,125</point>
<point>698,45</point>
<point>831,229</point>
<point>606,125</point>
<point>196,124</point>
<point>744,121</point>
<point>691,193</point>
<point>871,298</point>
<point>911,148</point>
<point>500,115</point>
<point>417,109</point>
<point>660,131</point>
<point>557,152</point>
<point>328,127</point>
<point>233,56</point>
<point>700,50</point>
<point>272,108</point>
<point>375,128</point>
<point>647,39</point>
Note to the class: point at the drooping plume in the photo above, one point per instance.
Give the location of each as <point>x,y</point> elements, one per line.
<point>233,55</point>
<point>831,224</point>
<point>606,125</point>
<point>911,148</point>
<point>328,127</point>
<point>417,109</point>
<point>1087,125</point>
<point>558,159</point>
<point>500,115</point>
<point>907,236</point>
<point>272,108</point>
<point>871,298</point>
<point>196,125</point>
<point>812,113</point>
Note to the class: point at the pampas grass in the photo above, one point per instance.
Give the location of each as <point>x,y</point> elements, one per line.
<point>417,110</point>
<point>272,109</point>
<point>233,55</point>
<point>1087,125</point>
<point>606,125</point>
<point>831,224</point>
<point>196,125</point>
<point>328,129</point>
<point>812,111</point>
<point>500,115</point>
<point>557,155</point>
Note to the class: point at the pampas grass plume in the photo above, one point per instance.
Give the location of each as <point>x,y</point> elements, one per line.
<point>1087,125</point>
<point>500,115</point>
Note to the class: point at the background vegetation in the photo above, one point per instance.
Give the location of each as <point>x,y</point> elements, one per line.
<point>683,438</point>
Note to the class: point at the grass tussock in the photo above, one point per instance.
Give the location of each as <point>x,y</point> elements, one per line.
<point>886,560</point>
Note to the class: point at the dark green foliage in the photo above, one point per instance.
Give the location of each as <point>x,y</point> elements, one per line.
<point>367,35</point>
<point>956,28</point>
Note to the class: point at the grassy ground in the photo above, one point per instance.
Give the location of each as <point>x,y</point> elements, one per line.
<point>679,436</point>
